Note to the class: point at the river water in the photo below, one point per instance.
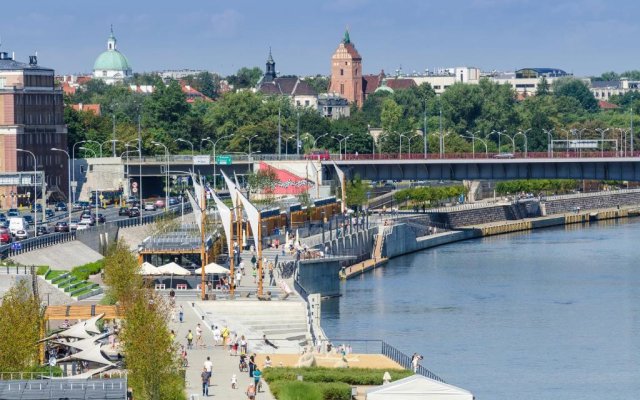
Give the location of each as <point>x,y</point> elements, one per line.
<point>546,314</point>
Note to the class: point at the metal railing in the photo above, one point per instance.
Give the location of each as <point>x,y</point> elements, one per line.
<point>405,361</point>
<point>590,194</point>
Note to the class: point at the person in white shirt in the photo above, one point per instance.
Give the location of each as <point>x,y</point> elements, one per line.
<point>208,365</point>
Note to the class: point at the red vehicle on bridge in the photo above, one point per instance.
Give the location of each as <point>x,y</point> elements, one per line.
<point>320,155</point>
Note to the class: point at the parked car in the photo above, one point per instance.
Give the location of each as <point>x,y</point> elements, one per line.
<point>21,234</point>
<point>149,206</point>
<point>42,230</point>
<point>60,206</point>
<point>318,155</point>
<point>50,213</point>
<point>4,224</point>
<point>173,201</point>
<point>159,203</point>
<point>134,212</point>
<point>74,225</point>
<point>124,211</point>
<point>5,236</point>
<point>61,226</point>
<point>3,217</point>
<point>101,219</point>
<point>29,219</point>
<point>13,212</point>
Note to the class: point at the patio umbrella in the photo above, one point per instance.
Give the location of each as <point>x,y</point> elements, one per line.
<point>149,269</point>
<point>173,269</point>
<point>213,268</point>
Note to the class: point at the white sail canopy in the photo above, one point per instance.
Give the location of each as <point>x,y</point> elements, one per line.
<point>92,354</point>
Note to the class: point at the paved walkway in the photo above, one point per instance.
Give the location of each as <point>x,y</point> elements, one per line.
<point>224,365</point>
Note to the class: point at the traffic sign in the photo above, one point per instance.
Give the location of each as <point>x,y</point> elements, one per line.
<point>202,160</point>
<point>16,246</point>
<point>224,160</point>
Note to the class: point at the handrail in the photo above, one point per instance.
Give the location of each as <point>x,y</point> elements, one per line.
<point>405,361</point>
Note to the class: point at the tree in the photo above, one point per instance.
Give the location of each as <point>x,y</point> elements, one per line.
<point>543,87</point>
<point>390,115</point>
<point>20,321</point>
<point>121,273</point>
<point>264,181</point>
<point>245,78</point>
<point>319,83</point>
<point>150,354</point>
<point>357,192</point>
<point>577,89</point>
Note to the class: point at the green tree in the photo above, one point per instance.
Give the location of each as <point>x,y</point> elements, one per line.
<point>543,87</point>
<point>319,83</point>
<point>576,89</point>
<point>357,192</point>
<point>121,273</point>
<point>245,78</point>
<point>20,321</point>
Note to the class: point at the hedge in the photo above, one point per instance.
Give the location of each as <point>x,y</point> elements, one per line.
<point>351,376</point>
<point>295,390</point>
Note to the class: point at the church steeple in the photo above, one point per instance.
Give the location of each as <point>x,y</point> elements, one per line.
<point>111,42</point>
<point>346,39</point>
<point>270,72</point>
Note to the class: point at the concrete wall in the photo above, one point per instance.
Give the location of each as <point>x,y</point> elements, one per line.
<point>401,239</point>
<point>594,202</point>
<point>100,238</point>
<point>320,275</point>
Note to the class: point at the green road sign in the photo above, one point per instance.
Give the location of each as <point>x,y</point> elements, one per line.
<point>223,160</point>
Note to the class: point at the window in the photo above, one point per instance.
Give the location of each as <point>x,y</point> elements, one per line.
<point>342,88</point>
<point>104,73</point>
<point>306,102</point>
<point>341,72</point>
<point>2,82</point>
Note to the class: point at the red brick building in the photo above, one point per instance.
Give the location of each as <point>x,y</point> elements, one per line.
<point>31,118</point>
<point>346,72</point>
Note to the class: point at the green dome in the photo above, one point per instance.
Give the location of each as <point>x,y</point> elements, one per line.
<point>111,60</point>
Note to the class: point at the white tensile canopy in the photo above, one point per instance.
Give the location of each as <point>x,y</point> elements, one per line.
<point>173,269</point>
<point>92,354</point>
<point>90,324</point>
<point>77,331</point>
<point>83,344</point>
<point>149,269</point>
<point>86,375</point>
<point>213,268</point>
<point>418,387</point>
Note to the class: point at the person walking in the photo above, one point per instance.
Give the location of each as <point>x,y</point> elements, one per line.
<point>205,375</point>
<point>257,374</point>
<point>181,314</point>
<point>252,365</point>
<point>189,340</point>
<point>251,392</point>
<point>199,340</point>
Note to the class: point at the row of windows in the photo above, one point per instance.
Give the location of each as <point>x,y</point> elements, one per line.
<point>438,87</point>
<point>54,139</point>
<point>38,81</point>
<point>525,85</point>
<point>38,118</point>
<point>26,160</point>
<point>39,99</point>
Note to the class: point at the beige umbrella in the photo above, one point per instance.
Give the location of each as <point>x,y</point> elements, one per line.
<point>149,269</point>
<point>213,268</point>
<point>173,269</point>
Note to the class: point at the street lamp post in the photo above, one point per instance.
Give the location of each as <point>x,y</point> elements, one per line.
<point>567,145</point>
<point>188,142</point>
<point>88,149</point>
<point>526,140</point>
<point>102,144</point>
<point>166,153</point>
<point>602,132</point>
<point>345,145</point>
<point>549,142</point>
<point>473,141</point>
<point>256,135</point>
<point>513,142</point>
<point>69,179</point>
<point>401,136</point>
<point>35,191</point>
<point>410,139</point>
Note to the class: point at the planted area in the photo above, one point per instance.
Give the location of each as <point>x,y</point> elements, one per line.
<point>323,383</point>
<point>75,281</point>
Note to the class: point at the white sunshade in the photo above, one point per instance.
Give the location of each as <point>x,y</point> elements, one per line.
<point>82,344</point>
<point>77,331</point>
<point>173,269</point>
<point>213,268</point>
<point>90,324</point>
<point>92,354</point>
<point>418,387</point>
<point>149,269</point>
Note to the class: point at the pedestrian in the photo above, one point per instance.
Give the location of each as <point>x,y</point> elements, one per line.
<point>234,381</point>
<point>225,338</point>
<point>254,273</point>
<point>205,382</point>
<point>234,345</point>
<point>251,392</point>
<point>243,345</point>
<point>199,341</point>
<point>181,314</point>
<point>216,335</point>
<point>208,365</point>
<point>257,374</point>
<point>415,359</point>
<point>252,365</point>
<point>238,278</point>
<point>189,340</point>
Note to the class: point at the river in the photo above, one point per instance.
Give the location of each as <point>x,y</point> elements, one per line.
<point>545,314</point>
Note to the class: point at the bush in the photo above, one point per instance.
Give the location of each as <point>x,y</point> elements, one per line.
<point>295,390</point>
<point>351,376</point>
<point>83,272</point>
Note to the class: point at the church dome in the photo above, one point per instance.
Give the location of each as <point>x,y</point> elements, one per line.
<point>111,60</point>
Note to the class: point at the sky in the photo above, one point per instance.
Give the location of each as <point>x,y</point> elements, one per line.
<point>583,37</point>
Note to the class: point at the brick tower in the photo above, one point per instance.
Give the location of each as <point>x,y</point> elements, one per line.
<point>346,72</point>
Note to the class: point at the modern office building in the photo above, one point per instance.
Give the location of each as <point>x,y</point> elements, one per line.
<point>31,118</point>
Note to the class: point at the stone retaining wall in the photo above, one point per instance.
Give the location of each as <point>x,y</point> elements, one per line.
<point>594,202</point>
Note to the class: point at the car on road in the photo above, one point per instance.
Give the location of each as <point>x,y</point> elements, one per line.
<point>13,212</point>
<point>88,220</point>
<point>61,226</point>
<point>16,224</point>
<point>173,201</point>
<point>318,155</point>
<point>3,217</point>
<point>50,213</point>
<point>149,206</point>
<point>131,199</point>
<point>123,212</point>
<point>74,225</point>
<point>82,225</point>
<point>159,203</point>
<point>4,224</point>
<point>503,155</point>
<point>21,234</point>
<point>101,219</point>
<point>36,208</point>
<point>29,219</point>
<point>5,236</point>
<point>60,206</point>
<point>134,212</point>
<point>42,230</point>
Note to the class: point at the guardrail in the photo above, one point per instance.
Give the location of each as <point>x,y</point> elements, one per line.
<point>589,194</point>
<point>15,248</point>
<point>404,360</point>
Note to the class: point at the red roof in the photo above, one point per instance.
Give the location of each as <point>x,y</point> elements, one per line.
<point>94,108</point>
<point>67,88</point>
<point>400,83</point>
<point>605,105</point>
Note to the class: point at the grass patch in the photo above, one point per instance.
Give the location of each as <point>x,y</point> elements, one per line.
<point>350,376</point>
<point>55,274</point>
<point>294,390</point>
<point>83,291</point>
<point>42,269</point>
<point>83,272</point>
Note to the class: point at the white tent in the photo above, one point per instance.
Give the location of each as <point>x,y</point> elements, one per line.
<point>76,331</point>
<point>149,269</point>
<point>213,268</point>
<point>418,387</point>
<point>173,269</point>
<point>92,354</point>
<point>83,344</point>
<point>90,324</point>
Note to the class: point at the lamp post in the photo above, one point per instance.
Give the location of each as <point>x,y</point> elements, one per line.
<point>69,185</point>
<point>315,141</point>
<point>602,132</point>
<point>513,142</point>
<point>549,142</point>
<point>188,142</point>
<point>207,139</point>
<point>102,144</point>
<point>401,136</point>
<point>526,140</point>
<point>35,191</point>
<point>166,153</point>
<point>345,145</point>
<point>286,144</point>
<point>88,149</point>
<point>256,135</point>
<point>410,139</point>
<point>567,145</point>
<point>472,135</point>
<point>339,143</point>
